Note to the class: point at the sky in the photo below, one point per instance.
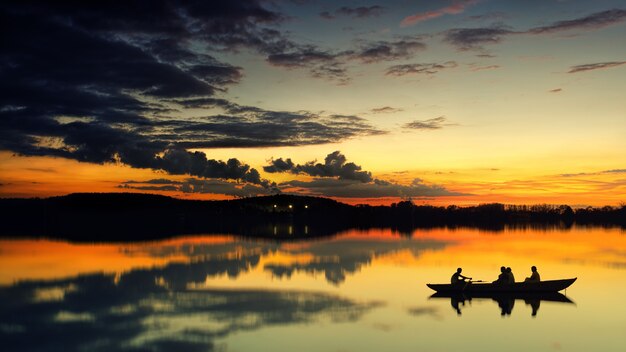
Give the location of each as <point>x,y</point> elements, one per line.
<point>441,102</point>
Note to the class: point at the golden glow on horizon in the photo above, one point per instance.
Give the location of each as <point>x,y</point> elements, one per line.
<point>46,176</point>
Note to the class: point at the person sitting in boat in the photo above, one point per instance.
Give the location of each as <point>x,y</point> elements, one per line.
<point>509,275</point>
<point>503,278</point>
<point>534,277</point>
<point>457,278</point>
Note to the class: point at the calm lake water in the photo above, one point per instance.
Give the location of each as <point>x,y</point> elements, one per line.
<point>358,291</point>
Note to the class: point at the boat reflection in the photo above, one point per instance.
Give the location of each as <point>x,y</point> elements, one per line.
<point>506,301</point>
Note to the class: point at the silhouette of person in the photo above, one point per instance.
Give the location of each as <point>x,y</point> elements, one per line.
<point>506,305</point>
<point>534,304</point>
<point>503,277</point>
<point>510,276</point>
<point>534,277</point>
<point>454,301</point>
<point>457,278</point>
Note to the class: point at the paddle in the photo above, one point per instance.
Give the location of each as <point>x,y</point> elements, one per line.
<point>469,282</point>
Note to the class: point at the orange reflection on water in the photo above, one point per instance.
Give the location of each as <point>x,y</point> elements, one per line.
<point>46,259</point>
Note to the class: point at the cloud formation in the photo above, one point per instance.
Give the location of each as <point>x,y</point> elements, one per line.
<point>355,12</point>
<point>104,84</point>
<point>457,6</point>
<point>385,110</point>
<point>594,21</point>
<point>475,38</point>
<point>430,124</point>
<point>335,165</point>
<point>423,69</point>
<point>338,178</point>
<point>202,186</point>
<point>331,187</point>
<point>595,66</point>
<point>332,65</point>
<point>388,51</point>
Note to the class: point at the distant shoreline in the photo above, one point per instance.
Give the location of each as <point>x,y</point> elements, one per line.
<point>106,217</point>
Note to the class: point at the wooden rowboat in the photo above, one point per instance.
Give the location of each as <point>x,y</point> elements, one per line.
<point>541,286</point>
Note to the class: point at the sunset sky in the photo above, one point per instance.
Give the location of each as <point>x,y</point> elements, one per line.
<point>444,102</point>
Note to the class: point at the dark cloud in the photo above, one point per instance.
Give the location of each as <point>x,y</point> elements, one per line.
<point>385,110</point>
<point>475,38</point>
<point>100,82</point>
<point>594,21</point>
<point>335,165</point>
<point>321,64</point>
<point>612,171</point>
<point>355,12</point>
<point>338,178</point>
<point>595,66</point>
<point>428,69</point>
<point>331,187</point>
<point>388,51</point>
<point>430,124</point>
<point>615,171</point>
<point>332,65</point>
<point>194,185</point>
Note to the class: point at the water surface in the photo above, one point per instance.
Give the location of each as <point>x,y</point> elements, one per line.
<point>357,291</point>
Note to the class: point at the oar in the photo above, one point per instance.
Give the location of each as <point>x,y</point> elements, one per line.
<point>469,282</point>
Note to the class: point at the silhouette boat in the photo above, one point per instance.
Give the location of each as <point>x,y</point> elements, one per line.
<point>517,287</point>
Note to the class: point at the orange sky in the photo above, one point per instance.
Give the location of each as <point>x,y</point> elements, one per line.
<point>46,176</point>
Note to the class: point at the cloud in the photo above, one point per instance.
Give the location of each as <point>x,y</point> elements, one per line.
<point>335,165</point>
<point>331,65</point>
<point>427,69</point>
<point>484,68</point>
<point>385,110</point>
<point>612,171</point>
<point>457,6</point>
<point>595,66</point>
<point>331,187</point>
<point>388,51</point>
<point>120,99</point>
<point>355,12</point>
<point>338,178</point>
<point>430,124</point>
<point>594,21</point>
<point>194,185</point>
<point>474,38</point>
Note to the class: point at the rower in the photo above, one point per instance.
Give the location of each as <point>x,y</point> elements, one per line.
<point>503,278</point>
<point>534,277</point>
<point>457,278</point>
